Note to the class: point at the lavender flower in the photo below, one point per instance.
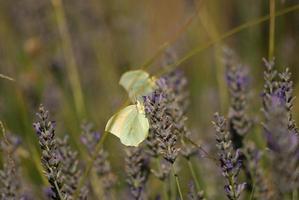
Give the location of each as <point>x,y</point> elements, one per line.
<point>10,144</point>
<point>230,161</point>
<point>178,106</point>
<point>284,147</point>
<point>270,75</point>
<point>45,130</point>
<point>177,81</point>
<point>262,187</point>
<point>163,131</point>
<point>166,108</point>
<point>286,88</point>
<point>48,192</point>
<point>90,138</point>
<point>163,172</point>
<point>193,194</point>
<point>137,169</point>
<point>153,144</point>
<point>70,170</point>
<point>238,82</point>
<point>189,150</point>
<point>281,131</point>
<point>237,77</point>
<point>9,186</point>
<point>272,96</point>
<point>278,94</point>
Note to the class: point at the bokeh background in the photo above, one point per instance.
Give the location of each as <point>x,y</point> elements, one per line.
<point>70,54</point>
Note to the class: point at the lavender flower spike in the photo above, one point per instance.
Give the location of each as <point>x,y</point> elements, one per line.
<point>137,170</point>
<point>238,82</point>
<point>230,161</point>
<point>193,194</point>
<point>9,186</point>
<point>71,172</point>
<point>262,184</point>
<point>45,130</point>
<point>163,131</point>
<point>102,166</point>
<point>286,88</point>
<point>270,75</point>
<point>284,147</point>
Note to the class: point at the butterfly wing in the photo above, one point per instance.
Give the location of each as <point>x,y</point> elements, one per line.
<point>129,125</point>
<point>137,83</point>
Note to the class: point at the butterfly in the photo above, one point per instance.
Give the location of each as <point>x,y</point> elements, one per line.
<point>130,124</point>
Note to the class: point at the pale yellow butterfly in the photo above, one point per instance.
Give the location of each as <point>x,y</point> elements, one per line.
<point>130,125</point>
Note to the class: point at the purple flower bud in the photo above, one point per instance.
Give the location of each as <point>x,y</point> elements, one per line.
<point>49,192</point>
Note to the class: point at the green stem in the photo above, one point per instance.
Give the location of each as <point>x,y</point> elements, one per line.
<point>173,39</point>
<point>6,77</point>
<point>295,194</point>
<point>60,197</point>
<point>172,187</point>
<point>58,191</point>
<point>252,192</point>
<point>232,184</point>
<point>271,29</point>
<point>165,190</point>
<point>3,132</point>
<point>176,176</point>
<point>197,185</point>
<point>23,109</point>
<point>57,188</point>
<point>70,60</point>
<point>201,149</point>
<point>226,35</point>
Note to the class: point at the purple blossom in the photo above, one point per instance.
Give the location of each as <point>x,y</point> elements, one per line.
<point>137,169</point>
<point>45,130</point>
<point>90,139</point>
<point>238,81</point>
<point>284,147</point>
<point>230,160</point>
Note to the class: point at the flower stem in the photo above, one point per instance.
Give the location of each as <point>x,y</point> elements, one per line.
<point>165,190</point>
<point>226,35</point>
<point>252,192</point>
<point>176,176</point>
<point>271,29</point>
<point>295,194</point>
<point>172,39</point>
<point>190,165</point>
<point>71,65</point>
<point>6,77</point>
<point>58,191</point>
<point>232,185</point>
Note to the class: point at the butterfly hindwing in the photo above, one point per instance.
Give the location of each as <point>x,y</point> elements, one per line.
<point>130,125</point>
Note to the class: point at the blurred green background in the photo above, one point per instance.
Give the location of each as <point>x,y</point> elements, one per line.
<point>70,54</point>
